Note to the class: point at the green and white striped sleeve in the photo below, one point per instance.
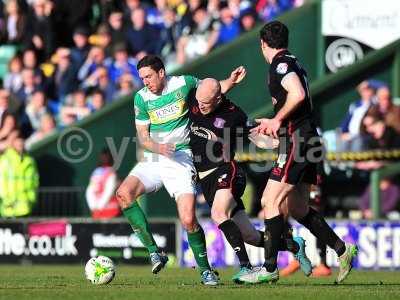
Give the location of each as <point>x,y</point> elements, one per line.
<point>141,115</point>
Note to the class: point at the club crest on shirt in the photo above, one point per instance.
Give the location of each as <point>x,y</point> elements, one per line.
<point>222,181</point>
<point>219,123</point>
<point>178,95</point>
<point>282,68</point>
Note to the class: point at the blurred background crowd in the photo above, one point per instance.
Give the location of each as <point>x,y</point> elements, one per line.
<point>67,59</point>
<point>62,60</point>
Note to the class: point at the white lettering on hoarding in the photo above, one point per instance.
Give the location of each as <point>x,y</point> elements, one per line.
<point>16,244</point>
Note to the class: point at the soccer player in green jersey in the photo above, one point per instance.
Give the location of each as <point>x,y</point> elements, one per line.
<point>161,118</point>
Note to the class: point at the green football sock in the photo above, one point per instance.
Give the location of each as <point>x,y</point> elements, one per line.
<point>197,242</point>
<point>140,226</point>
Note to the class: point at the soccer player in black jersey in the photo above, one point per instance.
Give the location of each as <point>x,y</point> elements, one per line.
<point>216,124</point>
<point>300,151</point>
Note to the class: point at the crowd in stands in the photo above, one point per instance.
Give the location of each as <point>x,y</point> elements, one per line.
<point>70,58</point>
<point>371,123</point>
<point>75,57</point>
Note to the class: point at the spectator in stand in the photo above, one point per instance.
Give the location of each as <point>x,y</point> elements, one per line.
<point>95,59</point>
<point>77,110</point>
<point>169,37</point>
<point>199,41</point>
<point>37,108</point>
<point>126,86</point>
<point>14,29</point>
<point>8,131</point>
<point>30,61</point>
<point>213,8</point>
<point>230,27</point>
<point>238,7</point>
<point>19,181</point>
<point>104,40</point>
<point>382,136</point>
<point>81,46</point>
<point>270,11</point>
<point>116,27</point>
<point>188,9</point>
<point>100,193</point>
<point>64,78</point>
<point>350,137</point>
<point>30,83</point>
<point>386,108</point>
<point>122,64</point>
<point>47,127</point>
<point>129,7</point>
<point>100,80</point>
<point>142,38</point>
<point>41,35</point>
<point>248,20</point>
<point>13,79</point>
<point>155,15</point>
<point>97,101</point>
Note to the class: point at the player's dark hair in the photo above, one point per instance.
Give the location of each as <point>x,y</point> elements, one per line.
<point>152,61</point>
<point>275,34</point>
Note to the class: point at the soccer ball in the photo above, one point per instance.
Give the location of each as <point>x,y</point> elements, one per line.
<point>100,270</point>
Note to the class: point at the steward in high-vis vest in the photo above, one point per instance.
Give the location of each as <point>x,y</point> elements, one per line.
<point>19,181</point>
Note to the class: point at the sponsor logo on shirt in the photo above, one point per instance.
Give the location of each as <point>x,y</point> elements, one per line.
<point>168,112</point>
<point>203,132</point>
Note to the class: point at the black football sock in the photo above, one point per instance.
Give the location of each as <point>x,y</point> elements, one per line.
<point>287,237</point>
<point>274,228</point>
<point>321,246</point>
<point>261,241</point>
<point>282,242</point>
<point>235,239</point>
<point>314,222</point>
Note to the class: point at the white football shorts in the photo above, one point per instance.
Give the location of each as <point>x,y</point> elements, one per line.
<point>177,173</point>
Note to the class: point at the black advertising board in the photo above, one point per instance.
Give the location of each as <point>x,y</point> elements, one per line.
<point>64,241</point>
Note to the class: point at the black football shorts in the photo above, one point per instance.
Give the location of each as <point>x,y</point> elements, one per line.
<point>227,176</point>
<point>300,156</point>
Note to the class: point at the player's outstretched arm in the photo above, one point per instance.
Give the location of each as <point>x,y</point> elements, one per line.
<point>148,143</point>
<point>236,76</point>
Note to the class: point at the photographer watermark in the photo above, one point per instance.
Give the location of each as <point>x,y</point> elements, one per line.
<point>74,145</point>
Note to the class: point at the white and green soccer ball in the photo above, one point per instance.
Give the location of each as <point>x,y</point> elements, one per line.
<point>100,270</point>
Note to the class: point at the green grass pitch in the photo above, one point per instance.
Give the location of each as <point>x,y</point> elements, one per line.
<point>134,282</point>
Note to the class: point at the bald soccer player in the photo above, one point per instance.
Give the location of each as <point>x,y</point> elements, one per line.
<point>216,124</point>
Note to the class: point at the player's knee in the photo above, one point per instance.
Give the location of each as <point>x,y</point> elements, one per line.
<point>124,197</point>
<point>219,216</point>
<point>188,222</point>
